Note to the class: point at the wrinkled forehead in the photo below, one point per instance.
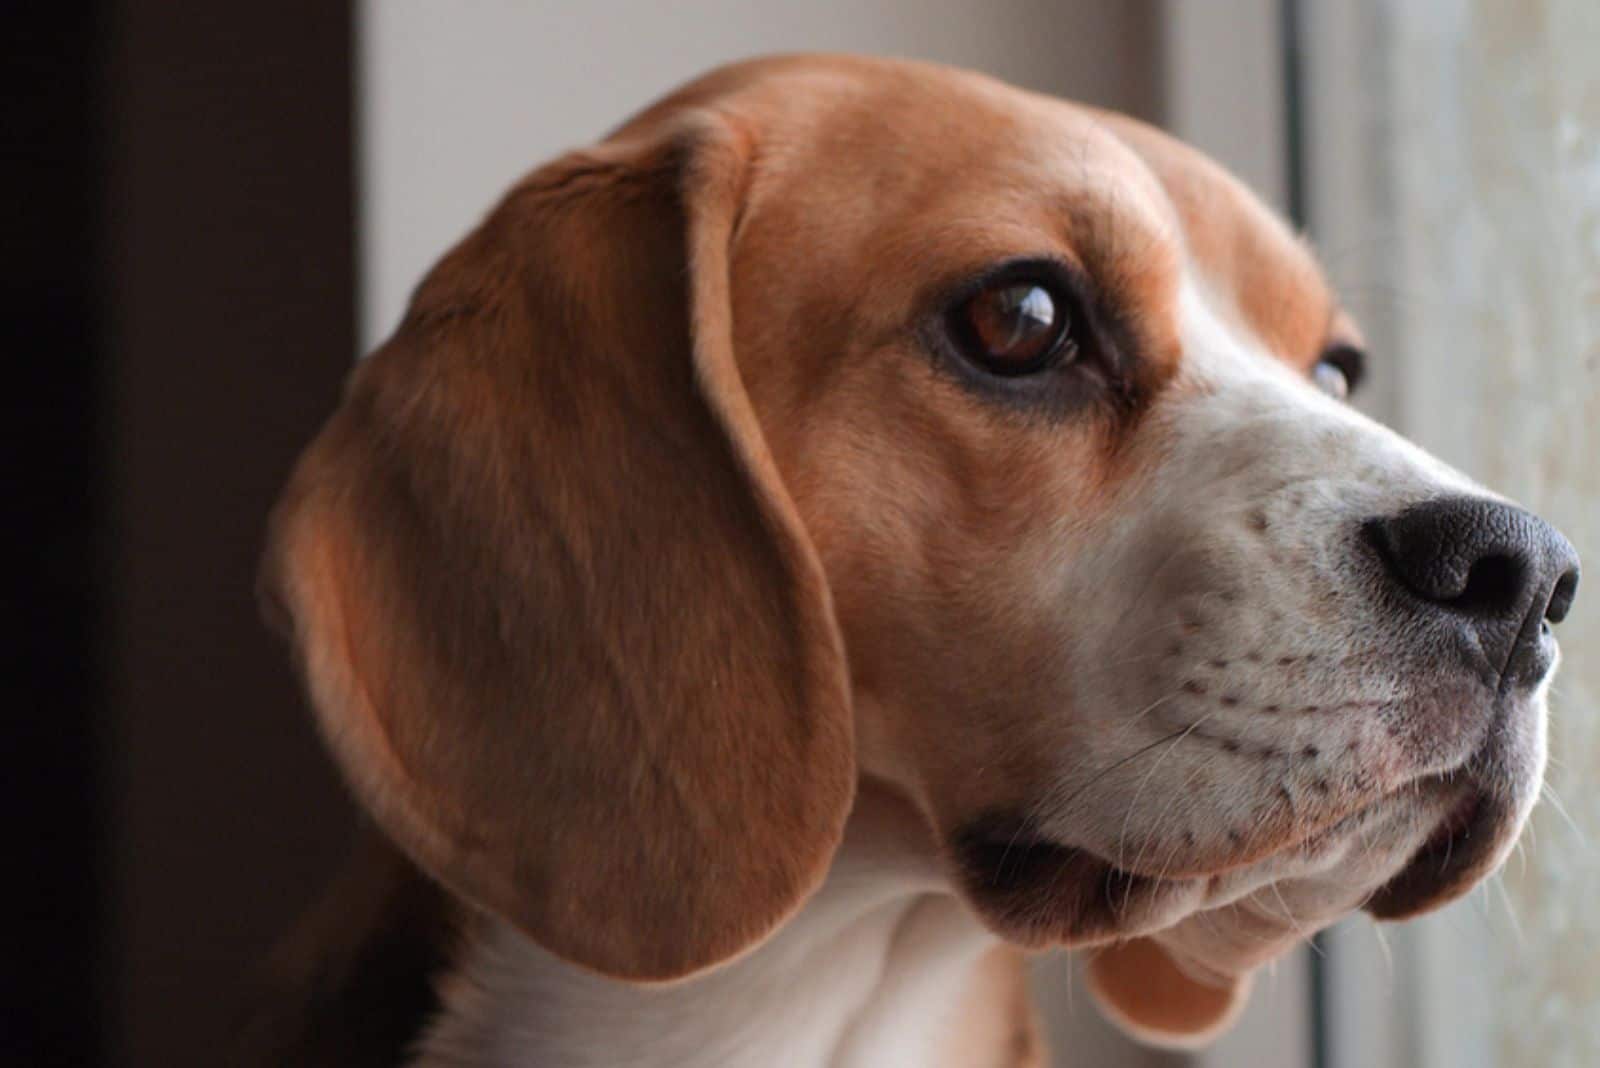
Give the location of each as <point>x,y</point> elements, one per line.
<point>1242,255</point>
<point>895,177</point>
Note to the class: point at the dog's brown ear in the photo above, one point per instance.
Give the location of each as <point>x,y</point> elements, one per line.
<point>1143,990</point>
<point>558,617</point>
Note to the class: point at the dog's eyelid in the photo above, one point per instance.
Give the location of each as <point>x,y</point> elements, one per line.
<point>1040,266</point>
<point>1089,364</point>
<point>1017,319</point>
<point>1063,277</point>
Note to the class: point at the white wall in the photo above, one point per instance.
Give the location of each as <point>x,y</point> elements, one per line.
<point>1460,157</point>
<point>1224,87</point>
<point>457,99</point>
<point>1496,141</point>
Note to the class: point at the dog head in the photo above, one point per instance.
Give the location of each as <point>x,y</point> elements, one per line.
<point>840,418</point>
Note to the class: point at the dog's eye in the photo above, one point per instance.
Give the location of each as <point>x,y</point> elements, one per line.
<point>1331,380</point>
<point>1339,371</point>
<point>1014,327</point>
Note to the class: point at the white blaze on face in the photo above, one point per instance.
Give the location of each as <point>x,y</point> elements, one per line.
<point>1245,685</point>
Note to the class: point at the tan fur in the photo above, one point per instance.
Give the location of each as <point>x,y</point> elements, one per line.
<point>1149,995</point>
<point>1270,277</point>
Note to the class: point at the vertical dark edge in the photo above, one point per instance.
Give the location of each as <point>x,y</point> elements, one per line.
<point>1292,39</point>
<point>1161,64</point>
<point>51,148</point>
<point>1152,19</point>
<point>355,175</point>
<point>230,282</point>
<point>1294,111</point>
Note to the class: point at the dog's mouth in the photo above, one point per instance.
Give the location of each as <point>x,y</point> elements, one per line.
<point>1479,817</point>
<point>1463,848</point>
<point>1036,891</point>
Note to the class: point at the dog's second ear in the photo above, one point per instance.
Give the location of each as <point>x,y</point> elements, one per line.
<point>557,615</point>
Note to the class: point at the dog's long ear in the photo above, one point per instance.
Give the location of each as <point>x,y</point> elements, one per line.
<point>557,615</point>
<point>1149,995</point>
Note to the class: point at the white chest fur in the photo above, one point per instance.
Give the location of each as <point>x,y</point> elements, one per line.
<point>872,971</point>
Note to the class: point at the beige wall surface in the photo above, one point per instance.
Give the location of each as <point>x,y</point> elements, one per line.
<point>1496,149</point>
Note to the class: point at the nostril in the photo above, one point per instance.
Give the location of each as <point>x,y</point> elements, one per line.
<point>1492,583</point>
<point>1495,573</point>
<point>1470,556</point>
<point>1561,598</point>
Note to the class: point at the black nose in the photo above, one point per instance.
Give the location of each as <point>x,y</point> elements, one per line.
<point>1497,570</point>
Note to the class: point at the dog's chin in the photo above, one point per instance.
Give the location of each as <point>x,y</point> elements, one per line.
<point>1466,847</point>
<point>1038,892</point>
<point>1485,806</point>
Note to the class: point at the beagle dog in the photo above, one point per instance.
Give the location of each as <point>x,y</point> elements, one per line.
<point>859,523</point>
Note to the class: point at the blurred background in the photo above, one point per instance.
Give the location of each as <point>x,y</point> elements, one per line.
<point>211,209</point>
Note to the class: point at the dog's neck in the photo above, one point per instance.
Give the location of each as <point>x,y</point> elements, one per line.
<point>882,967</point>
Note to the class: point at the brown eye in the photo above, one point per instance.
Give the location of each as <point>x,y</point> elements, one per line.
<point>1331,379</point>
<point>1014,328</point>
<point>1339,371</point>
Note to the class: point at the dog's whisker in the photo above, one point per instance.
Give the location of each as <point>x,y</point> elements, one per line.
<point>1026,826</point>
<point>1102,773</point>
<point>1549,793</point>
<point>1384,948</point>
<point>1479,897</point>
<point>1161,819</point>
<point>1134,804</point>
<point>1282,912</point>
<point>1243,930</point>
<point>1511,914</point>
<point>1152,706</point>
<point>1139,659</point>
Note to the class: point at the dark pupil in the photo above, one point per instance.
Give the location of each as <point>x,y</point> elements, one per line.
<point>1013,324</point>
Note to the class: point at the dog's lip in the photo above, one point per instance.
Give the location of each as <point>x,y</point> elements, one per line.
<point>1018,877</point>
<point>1458,853</point>
<point>1038,891</point>
<point>1003,851</point>
<point>1480,817</point>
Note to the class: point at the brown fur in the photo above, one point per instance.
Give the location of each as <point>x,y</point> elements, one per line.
<point>496,557</point>
<point>1269,276</point>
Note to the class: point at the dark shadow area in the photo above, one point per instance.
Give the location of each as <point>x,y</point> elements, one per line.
<point>54,626</point>
<point>180,278</point>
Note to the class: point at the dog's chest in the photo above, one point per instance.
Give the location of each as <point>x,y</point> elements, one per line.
<point>893,984</point>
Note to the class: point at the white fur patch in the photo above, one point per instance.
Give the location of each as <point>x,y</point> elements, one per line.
<point>867,974</point>
<point>1242,680</point>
